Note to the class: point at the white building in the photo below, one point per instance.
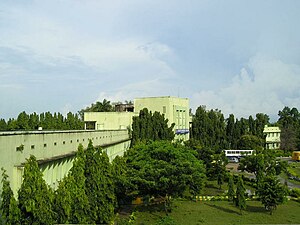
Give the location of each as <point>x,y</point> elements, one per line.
<point>272,135</point>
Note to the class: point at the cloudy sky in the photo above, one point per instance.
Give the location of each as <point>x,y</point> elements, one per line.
<point>240,56</point>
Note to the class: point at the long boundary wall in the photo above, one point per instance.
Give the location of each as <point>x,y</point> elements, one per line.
<point>54,150</point>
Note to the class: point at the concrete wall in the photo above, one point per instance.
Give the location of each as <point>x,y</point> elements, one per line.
<point>109,120</point>
<point>54,150</point>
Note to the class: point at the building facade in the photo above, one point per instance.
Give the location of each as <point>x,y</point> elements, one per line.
<point>272,135</point>
<point>176,110</point>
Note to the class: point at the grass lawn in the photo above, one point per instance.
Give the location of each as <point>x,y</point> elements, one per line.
<point>220,212</point>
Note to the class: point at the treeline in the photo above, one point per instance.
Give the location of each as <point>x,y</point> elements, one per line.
<point>55,121</point>
<point>212,130</point>
<point>47,121</point>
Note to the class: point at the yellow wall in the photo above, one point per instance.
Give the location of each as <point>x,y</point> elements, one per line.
<point>109,120</point>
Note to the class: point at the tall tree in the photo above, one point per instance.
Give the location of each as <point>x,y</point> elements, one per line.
<point>231,192</point>
<point>260,122</point>
<point>3,125</point>
<point>148,126</point>
<point>209,128</point>
<point>35,197</point>
<point>76,185</point>
<point>99,185</point>
<point>289,122</point>
<point>6,195</point>
<point>122,182</point>
<point>240,200</point>
<point>23,121</point>
<point>230,131</point>
<point>271,193</point>
<point>219,168</point>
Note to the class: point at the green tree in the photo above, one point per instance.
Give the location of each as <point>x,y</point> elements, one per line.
<point>104,106</point>
<point>230,131</point>
<point>122,182</point>
<point>63,200</point>
<point>148,126</point>
<point>289,122</point>
<point>76,185</point>
<point>271,193</point>
<point>3,125</point>
<point>35,197</point>
<point>262,163</point>
<point>219,168</point>
<point>33,121</point>
<point>209,128</point>
<point>260,122</point>
<point>99,185</point>
<point>14,216</point>
<point>6,195</point>
<point>204,154</point>
<point>240,200</point>
<point>23,121</point>
<point>248,141</point>
<point>231,192</point>
<point>164,169</point>
<point>12,124</point>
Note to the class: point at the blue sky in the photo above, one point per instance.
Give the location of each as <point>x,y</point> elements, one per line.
<point>242,57</point>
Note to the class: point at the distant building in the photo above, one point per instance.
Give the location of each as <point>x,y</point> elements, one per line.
<point>176,110</point>
<point>272,135</point>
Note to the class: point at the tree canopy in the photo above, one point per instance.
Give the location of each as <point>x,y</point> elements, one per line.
<point>162,168</point>
<point>148,126</point>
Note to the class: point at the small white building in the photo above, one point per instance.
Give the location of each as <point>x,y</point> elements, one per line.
<point>272,135</point>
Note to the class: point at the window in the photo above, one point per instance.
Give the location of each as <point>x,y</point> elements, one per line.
<point>45,145</point>
<point>164,109</point>
<point>55,143</point>
<point>64,142</point>
<point>71,141</point>
<point>32,146</point>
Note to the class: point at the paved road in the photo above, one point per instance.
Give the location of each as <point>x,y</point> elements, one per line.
<point>234,166</point>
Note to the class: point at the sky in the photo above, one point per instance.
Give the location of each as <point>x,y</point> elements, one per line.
<point>239,56</point>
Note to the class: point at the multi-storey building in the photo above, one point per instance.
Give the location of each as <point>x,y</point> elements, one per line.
<point>272,135</point>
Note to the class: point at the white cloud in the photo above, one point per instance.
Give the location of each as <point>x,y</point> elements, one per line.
<point>264,85</point>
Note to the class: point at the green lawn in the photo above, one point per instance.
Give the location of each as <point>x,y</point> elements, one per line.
<point>220,212</point>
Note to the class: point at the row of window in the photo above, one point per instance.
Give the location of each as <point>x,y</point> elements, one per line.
<point>238,152</point>
<point>21,147</point>
<point>273,134</point>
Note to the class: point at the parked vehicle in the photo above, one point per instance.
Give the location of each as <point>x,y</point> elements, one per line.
<point>296,155</point>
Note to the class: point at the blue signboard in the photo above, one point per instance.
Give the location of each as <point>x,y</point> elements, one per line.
<point>182,131</point>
